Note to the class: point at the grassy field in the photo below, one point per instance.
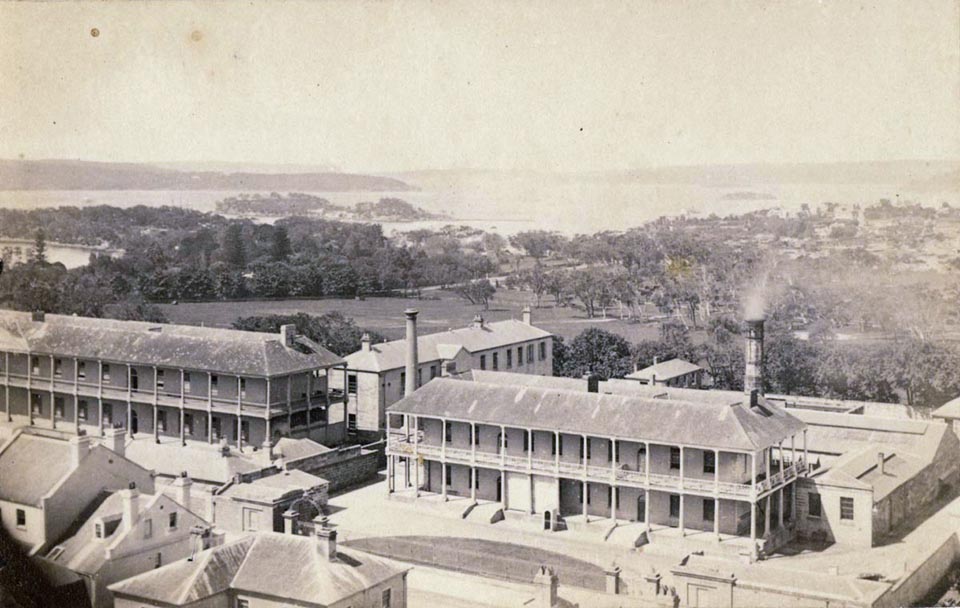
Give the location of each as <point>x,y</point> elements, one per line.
<point>439,311</point>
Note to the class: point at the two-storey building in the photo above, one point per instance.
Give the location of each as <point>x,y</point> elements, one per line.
<point>719,464</point>
<point>247,388</point>
<point>377,374</point>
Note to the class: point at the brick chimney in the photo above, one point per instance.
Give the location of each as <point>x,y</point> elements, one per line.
<point>114,439</point>
<point>413,362</point>
<point>131,506</point>
<point>753,369</point>
<point>182,485</point>
<point>527,315</point>
<point>547,582</point>
<point>79,448</point>
<point>365,342</point>
<point>477,321</point>
<point>287,334</point>
<point>326,539</point>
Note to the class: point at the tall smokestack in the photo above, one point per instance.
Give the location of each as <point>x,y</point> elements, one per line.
<point>753,371</point>
<point>412,360</point>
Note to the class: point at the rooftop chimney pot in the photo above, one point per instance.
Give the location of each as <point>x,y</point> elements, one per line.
<point>326,538</point>
<point>365,342</point>
<point>288,333</point>
<point>527,315</point>
<point>115,439</point>
<point>80,447</point>
<point>477,321</point>
<point>753,368</point>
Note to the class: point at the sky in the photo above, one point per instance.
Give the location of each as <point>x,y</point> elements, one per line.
<point>547,86</point>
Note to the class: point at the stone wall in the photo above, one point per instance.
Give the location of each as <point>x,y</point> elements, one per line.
<point>343,467</point>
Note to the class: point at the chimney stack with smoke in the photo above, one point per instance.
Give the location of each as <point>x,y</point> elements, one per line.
<point>753,372</point>
<point>412,358</point>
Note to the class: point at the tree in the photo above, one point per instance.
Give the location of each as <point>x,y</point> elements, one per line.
<point>331,330</point>
<point>280,249</point>
<point>234,251</point>
<point>39,254</point>
<point>476,292</point>
<point>598,352</point>
<point>535,280</point>
<point>537,243</point>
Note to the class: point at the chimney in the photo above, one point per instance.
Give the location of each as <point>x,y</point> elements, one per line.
<point>38,316</point>
<point>288,333</point>
<point>880,458</point>
<point>593,383</point>
<point>547,582</point>
<point>114,439</point>
<point>413,363</point>
<point>79,447</point>
<point>326,538</point>
<point>527,315</point>
<point>365,342</point>
<point>656,359</point>
<point>477,321</point>
<point>182,485</point>
<point>753,371</point>
<point>131,506</point>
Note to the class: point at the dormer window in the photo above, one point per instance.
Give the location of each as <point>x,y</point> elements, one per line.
<point>55,553</point>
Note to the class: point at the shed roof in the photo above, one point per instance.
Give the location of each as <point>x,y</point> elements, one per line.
<point>31,465</point>
<point>705,423</point>
<point>278,566</point>
<point>200,348</point>
<point>392,355</point>
<point>666,370</point>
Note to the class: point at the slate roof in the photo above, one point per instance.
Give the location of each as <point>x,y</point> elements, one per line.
<point>665,370</point>
<point>198,348</point>
<point>676,422</point>
<point>392,355</point>
<point>31,465</point>
<point>285,567</point>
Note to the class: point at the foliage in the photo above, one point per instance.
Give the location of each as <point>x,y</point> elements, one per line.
<point>331,330</point>
<point>476,292</point>
<point>595,351</point>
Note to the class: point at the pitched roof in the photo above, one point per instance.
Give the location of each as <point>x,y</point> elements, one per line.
<point>289,448</point>
<point>273,488</point>
<point>279,566</point>
<point>949,410</point>
<point>202,462</point>
<point>703,423</point>
<point>665,370</point>
<point>392,355</point>
<point>200,348</point>
<point>32,464</point>
<point>514,379</point>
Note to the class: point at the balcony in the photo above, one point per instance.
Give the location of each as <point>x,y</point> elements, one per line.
<point>399,445</point>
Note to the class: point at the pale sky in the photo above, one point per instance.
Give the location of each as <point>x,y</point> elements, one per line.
<point>562,85</point>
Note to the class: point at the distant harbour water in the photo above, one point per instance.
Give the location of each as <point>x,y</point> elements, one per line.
<point>71,256</point>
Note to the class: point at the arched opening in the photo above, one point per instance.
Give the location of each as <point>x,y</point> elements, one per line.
<point>547,520</point>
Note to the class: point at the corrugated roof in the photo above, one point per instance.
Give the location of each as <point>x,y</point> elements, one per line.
<point>675,422</point>
<point>666,370</point>
<point>392,355</point>
<point>198,348</point>
<point>31,465</point>
<point>279,566</point>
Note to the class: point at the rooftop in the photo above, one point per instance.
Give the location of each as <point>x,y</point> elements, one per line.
<point>665,370</point>
<point>442,345</point>
<point>270,564</point>
<point>203,462</point>
<point>949,410</point>
<point>706,423</point>
<point>273,488</point>
<point>31,465</point>
<point>295,449</point>
<point>198,348</point>
<point>515,379</point>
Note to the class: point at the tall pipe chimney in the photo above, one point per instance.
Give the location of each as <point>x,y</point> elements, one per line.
<point>413,362</point>
<point>753,370</point>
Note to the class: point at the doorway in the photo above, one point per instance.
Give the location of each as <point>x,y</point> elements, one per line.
<point>499,490</point>
<point>547,520</point>
<point>642,508</point>
<point>134,422</point>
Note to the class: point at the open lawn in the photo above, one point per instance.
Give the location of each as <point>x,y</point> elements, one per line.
<point>439,311</point>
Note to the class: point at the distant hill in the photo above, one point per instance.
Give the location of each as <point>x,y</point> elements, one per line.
<point>85,175</point>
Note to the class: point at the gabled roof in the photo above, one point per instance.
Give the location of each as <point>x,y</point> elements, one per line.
<point>665,370</point>
<point>392,355</point>
<point>285,567</point>
<point>706,423</point>
<point>31,465</point>
<point>290,449</point>
<point>199,348</point>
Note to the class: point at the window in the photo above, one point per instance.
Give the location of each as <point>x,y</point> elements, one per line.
<point>242,603</point>
<point>709,509</point>
<point>814,508</point>
<point>36,405</point>
<point>318,415</point>
<point>385,599</point>
<point>107,414</point>
<point>433,372</point>
<point>172,521</point>
<point>21,519</point>
<point>519,356</point>
<point>509,358</point>
<point>447,432</point>
<point>352,423</point>
<point>82,410</point>
<point>610,451</point>
<point>675,458</point>
<point>296,419</point>
<point>476,436</point>
<point>526,442</point>
<point>530,353</point>
<point>105,373</point>
<point>98,530</point>
<point>583,453</point>
<point>352,384</point>
<point>188,424</point>
<point>709,462</point>
<point>609,496</point>
<point>158,561</point>
<point>35,365</point>
<point>476,480</point>
<point>215,385</point>
<point>148,528</point>
<point>186,382</point>
<point>134,380</point>
<point>543,351</point>
<point>251,519</point>
<point>58,407</point>
<point>483,362</point>
<point>162,421</point>
<point>496,361</point>
<point>846,507</point>
<point>82,370</point>
<point>58,368</point>
<point>674,505</point>
<point>448,472</point>
<point>403,383</point>
<point>161,381</point>
<point>243,388</point>
<point>215,428</point>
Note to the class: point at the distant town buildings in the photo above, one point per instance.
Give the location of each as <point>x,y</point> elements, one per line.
<point>379,375</point>
<point>675,372</point>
